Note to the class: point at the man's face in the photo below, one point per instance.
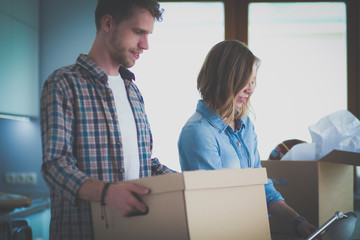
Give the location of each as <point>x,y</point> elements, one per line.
<point>129,38</point>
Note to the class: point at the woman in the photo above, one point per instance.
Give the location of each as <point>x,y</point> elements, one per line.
<point>220,133</point>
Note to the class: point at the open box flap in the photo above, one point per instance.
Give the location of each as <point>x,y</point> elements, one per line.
<point>344,157</point>
<point>205,179</point>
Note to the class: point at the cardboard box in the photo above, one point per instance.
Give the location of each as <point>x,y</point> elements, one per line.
<point>315,189</point>
<point>221,204</point>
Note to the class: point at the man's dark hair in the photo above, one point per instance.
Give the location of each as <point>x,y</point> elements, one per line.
<point>121,10</point>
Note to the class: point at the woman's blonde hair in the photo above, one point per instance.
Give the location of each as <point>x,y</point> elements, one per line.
<point>227,70</point>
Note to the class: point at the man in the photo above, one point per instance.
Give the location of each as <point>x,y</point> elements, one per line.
<point>93,123</point>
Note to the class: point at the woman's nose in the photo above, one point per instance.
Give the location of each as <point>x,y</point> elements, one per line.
<point>250,88</point>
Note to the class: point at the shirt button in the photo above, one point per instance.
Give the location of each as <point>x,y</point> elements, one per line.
<point>118,143</point>
<point>115,117</point>
<point>238,143</point>
<point>121,170</point>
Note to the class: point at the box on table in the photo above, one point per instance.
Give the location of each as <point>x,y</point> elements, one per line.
<point>315,189</point>
<point>215,204</point>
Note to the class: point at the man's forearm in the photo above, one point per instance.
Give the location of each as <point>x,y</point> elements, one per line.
<point>120,197</point>
<point>90,190</point>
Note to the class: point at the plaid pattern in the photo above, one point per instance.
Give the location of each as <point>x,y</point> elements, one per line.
<point>80,140</point>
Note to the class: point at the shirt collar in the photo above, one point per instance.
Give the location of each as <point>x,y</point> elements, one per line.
<point>126,73</point>
<point>85,62</point>
<point>240,124</point>
<point>214,119</point>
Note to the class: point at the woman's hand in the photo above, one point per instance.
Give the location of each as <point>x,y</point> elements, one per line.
<point>305,229</point>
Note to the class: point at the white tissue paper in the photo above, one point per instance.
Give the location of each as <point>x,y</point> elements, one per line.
<point>339,130</point>
<point>301,151</point>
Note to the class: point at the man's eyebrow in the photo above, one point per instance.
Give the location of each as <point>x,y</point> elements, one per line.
<point>142,31</point>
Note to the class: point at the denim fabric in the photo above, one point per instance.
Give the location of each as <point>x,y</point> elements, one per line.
<point>207,142</point>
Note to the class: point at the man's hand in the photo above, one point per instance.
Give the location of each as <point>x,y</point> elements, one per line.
<point>123,199</point>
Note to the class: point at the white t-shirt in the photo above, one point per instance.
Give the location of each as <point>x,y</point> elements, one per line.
<point>127,127</point>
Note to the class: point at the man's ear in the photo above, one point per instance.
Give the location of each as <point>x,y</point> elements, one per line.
<point>107,22</point>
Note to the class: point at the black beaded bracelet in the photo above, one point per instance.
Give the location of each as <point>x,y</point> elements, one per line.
<point>103,193</point>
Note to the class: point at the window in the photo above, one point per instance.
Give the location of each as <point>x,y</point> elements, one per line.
<point>306,28</point>
<point>303,74</point>
<point>166,75</point>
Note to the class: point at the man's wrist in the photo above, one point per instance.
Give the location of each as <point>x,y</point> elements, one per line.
<point>103,193</point>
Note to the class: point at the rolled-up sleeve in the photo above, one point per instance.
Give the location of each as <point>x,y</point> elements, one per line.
<point>158,168</point>
<point>272,195</point>
<point>57,125</point>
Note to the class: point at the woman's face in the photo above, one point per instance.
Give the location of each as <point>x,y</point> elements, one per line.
<point>246,92</point>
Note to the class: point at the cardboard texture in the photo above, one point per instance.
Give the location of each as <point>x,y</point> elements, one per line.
<point>221,204</point>
<point>315,189</point>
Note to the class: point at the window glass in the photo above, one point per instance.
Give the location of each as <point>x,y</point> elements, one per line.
<point>166,74</point>
<point>302,77</point>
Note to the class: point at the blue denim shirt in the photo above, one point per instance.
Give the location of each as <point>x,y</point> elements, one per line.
<point>207,142</point>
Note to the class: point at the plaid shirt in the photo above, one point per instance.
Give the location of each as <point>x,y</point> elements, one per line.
<point>81,140</point>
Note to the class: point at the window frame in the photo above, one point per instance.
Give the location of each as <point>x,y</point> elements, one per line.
<point>236,27</point>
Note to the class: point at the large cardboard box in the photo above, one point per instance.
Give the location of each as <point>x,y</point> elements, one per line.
<point>221,204</point>
<point>315,189</point>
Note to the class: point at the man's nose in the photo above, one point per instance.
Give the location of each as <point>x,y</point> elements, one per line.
<point>144,42</point>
